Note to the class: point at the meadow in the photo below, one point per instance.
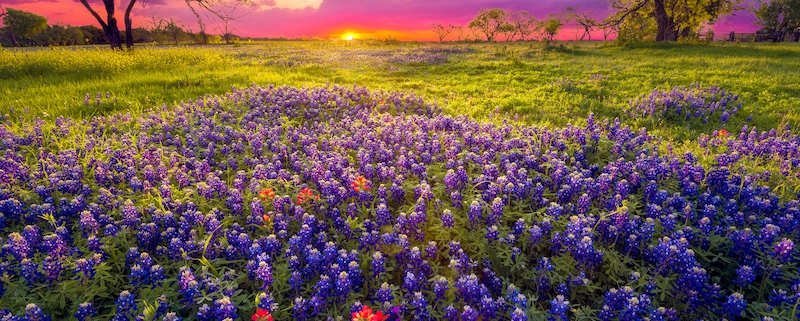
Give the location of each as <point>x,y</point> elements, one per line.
<point>414,181</point>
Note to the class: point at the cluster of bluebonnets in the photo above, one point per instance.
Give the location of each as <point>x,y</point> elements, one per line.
<point>356,57</point>
<point>684,103</point>
<point>313,204</point>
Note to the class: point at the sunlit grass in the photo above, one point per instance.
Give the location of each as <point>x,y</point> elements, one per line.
<point>519,78</point>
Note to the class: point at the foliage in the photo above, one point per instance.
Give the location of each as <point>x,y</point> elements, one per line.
<point>261,200</point>
<point>673,19</point>
<point>490,22</point>
<point>536,208</point>
<point>779,15</point>
<point>551,27</point>
<point>62,35</point>
<point>22,25</point>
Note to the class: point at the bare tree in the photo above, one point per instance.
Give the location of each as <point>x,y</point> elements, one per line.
<point>201,25</point>
<point>587,23</point>
<point>459,30</point>
<point>608,30</point>
<point>523,23</point>
<point>226,29</point>
<point>222,13</point>
<point>441,30</point>
<point>167,29</point>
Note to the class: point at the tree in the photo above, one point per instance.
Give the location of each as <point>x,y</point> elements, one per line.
<point>441,30</point>
<point>111,30</point>
<point>93,35</point>
<point>460,32</point>
<point>779,15</point>
<point>22,24</point>
<point>109,25</point>
<point>667,20</point>
<point>551,27</point>
<point>167,30</point>
<point>226,11</point>
<point>588,24</point>
<point>226,30</point>
<point>509,31</point>
<point>62,35</point>
<point>524,24</point>
<point>608,30</point>
<point>490,22</point>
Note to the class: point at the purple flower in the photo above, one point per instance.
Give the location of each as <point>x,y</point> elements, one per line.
<point>744,275</point>
<point>558,309</point>
<point>35,313</point>
<point>734,305</point>
<point>85,311</point>
<point>783,249</point>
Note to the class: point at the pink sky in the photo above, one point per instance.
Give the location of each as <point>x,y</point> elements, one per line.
<point>402,19</point>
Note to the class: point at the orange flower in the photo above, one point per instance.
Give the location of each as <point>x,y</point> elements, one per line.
<point>266,194</point>
<point>266,219</point>
<point>360,184</point>
<point>366,314</point>
<point>306,195</point>
<point>723,133</point>
<point>262,315</point>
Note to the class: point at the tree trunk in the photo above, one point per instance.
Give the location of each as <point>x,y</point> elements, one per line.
<point>112,32</point>
<point>666,28</point>
<point>685,33</point>
<point>129,25</point>
<point>110,28</point>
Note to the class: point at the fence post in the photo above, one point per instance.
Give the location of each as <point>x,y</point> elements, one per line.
<point>732,37</point>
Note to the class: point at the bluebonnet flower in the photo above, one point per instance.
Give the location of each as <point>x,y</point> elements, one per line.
<point>558,309</point>
<point>126,306</point>
<point>85,311</point>
<point>35,313</point>
<point>744,275</point>
<point>734,305</point>
<point>469,314</point>
<point>224,309</point>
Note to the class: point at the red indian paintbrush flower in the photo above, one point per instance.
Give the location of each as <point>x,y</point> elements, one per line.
<point>360,184</point>
<point>366,314</point>
<point>723,133</point>
<point>306,195</point>
<point>266,194</point>
<point>262,315</point>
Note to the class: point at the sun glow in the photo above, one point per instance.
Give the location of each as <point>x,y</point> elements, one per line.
<point>349,36</point>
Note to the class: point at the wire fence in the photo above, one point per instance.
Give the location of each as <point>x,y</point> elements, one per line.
<point>759,36</point>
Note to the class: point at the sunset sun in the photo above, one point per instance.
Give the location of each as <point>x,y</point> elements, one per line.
<point>349,36</point>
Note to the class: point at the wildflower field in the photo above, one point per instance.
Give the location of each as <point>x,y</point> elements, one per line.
<point>358,181</point>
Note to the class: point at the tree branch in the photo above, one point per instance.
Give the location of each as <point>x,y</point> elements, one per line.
<point>94,13</point>
<point>627,12</point>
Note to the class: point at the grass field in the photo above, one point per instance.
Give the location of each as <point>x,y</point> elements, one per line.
<point>552,85</point>
<point>314,180</point>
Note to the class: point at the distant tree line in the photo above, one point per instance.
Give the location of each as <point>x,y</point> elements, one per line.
<point>630,20</point>
<point>500,24</point>
<point>21,28</point>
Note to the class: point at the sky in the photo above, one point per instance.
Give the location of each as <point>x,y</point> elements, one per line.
<point>376,19</point>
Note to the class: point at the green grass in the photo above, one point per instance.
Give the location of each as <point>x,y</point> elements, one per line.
<point>518,78</point>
